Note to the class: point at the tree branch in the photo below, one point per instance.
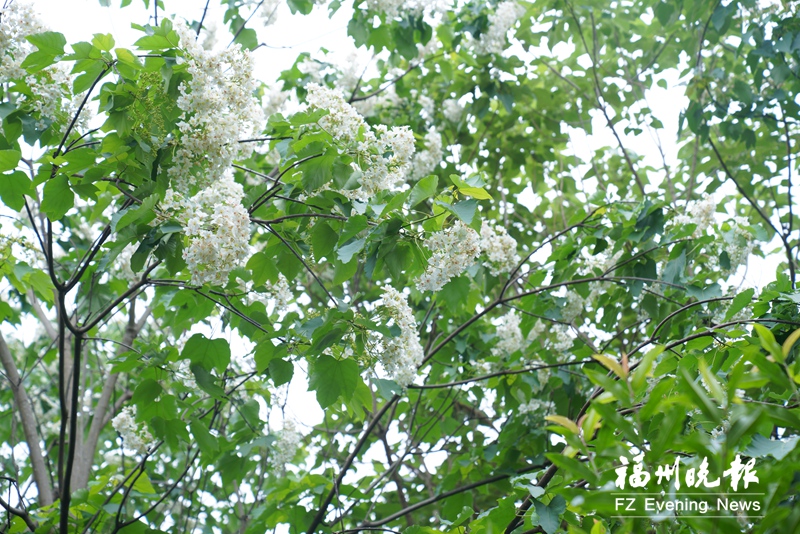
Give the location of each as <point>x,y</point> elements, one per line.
<point>26,415</point>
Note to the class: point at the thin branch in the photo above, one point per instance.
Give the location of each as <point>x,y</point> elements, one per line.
<point>28,418</point>
<point>22,514</point>
<point>446,494</point>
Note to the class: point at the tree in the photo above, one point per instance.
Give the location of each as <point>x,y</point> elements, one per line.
<point>503,334</point>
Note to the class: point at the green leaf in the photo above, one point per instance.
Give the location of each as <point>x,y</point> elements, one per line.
<point>423,190</point>
<point>134,214</point>
<point>740,301</point>
<point>9,159</point>
<point>208,444</point>
<point>549,514</point>
<point>248,38</point>
<point>52,43</point>
<point>475,192</point>
<point>779,449</point>
<point>146,392</point>
<point>207,381</point>
<point>58,198</point>
<point>354,225</point>
<point>323,240</point>
<point>280,371</point>
<point>210,353</point>
<point>265,352</point>
<point>464,210</point>
<point>701,400</point>
<point>13,188</point>
<point>333,379</point>
<point>346,253</point>
<point>768,342</point>
<point>263,268</point>
<point>103,41</point>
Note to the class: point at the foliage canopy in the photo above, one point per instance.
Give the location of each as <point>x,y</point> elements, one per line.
<point>494,317</point>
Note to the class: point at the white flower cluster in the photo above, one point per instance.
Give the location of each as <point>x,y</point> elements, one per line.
<point>493,40</point>
<point>572,307</point>
<point>279,293</point>
<point>536,406</point>
<point>403,354</point>
<point>454,249</point>
<point>509,335</point>
<point>452,110</point>
<point>428,160</point>
<point>285,446</point>
<point>18,20</point>
<point>275,100</point>
<point>134,437</point>
<point>372,105</point>
<point>218,228</point>
<point>499,247</point>
<point>349,74</point>
<point>738,242</point>
<point>50,88</point>
<point>563,340</point>
<point>369,147</point>
<point>219,109</point>
<point>122,264</point>
<point>393,8</point>
<point>269,12</point>
<point>700,212</point>
<point>311,68</point>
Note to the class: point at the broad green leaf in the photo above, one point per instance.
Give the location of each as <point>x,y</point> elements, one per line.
<point>333,379</point>
<point>779,449</point>
<point>13,188</point>
<point>9,159</point>
<point>208,444</point>
<point>563,421</point>
<point>280,371</point>
<point>210,353</point>
<point>58,198</point>
<point>422,190</point>
<point>346,253</point>
<point>611,364</point>
<point>768,342</point>
<point>740,301</point>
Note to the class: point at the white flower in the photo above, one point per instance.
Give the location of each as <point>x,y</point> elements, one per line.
<point>493,40</point>
<point>275,100</point>
<point>563,340</point>
<point>134,437</point>
<point>342,121</point>
<point>394,8</point>
<point>738,242</point>
<point>452,110</point>
<point>499,247</point>
<point>311,68</point>
<point>269,12</point>
<point>454,249</point>
<point>285,446</point>
<point>427,161</point>
<point>350,74</point>
<point>279,294</point>
<point>509,335</point>
<point>122,265</point>
<point>402,355</point>
<point>573,306</point>
<point>218,228</point>
<point>536,406</point>
<point>700,213</point>
<point>219,109</point>
<point>18,20</point>
<point>368,147</point>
